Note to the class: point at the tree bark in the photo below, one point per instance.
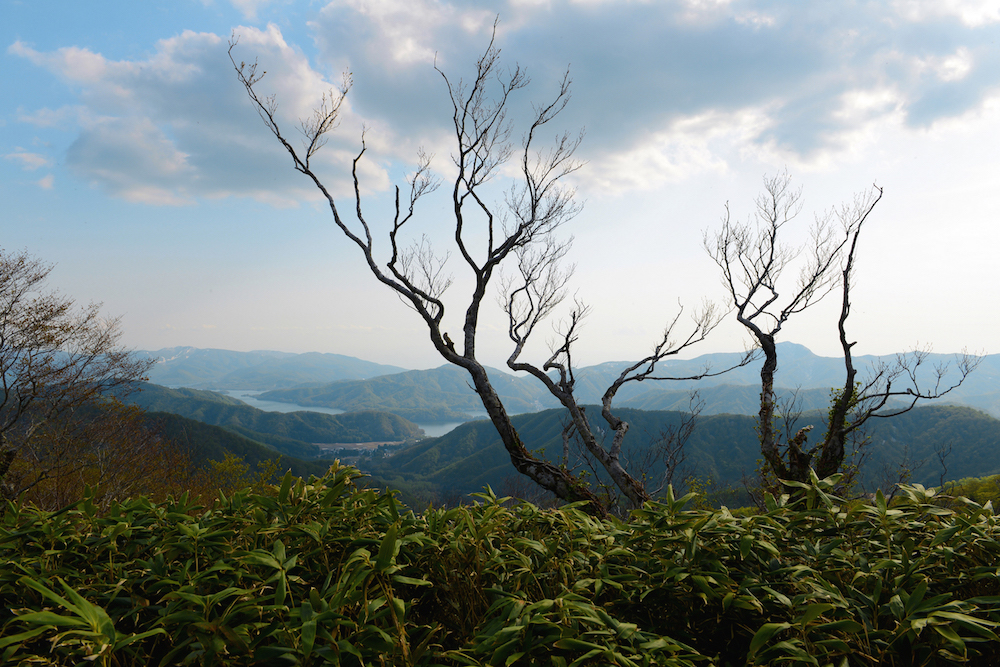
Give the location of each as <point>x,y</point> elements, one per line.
<point>547,475</point>
<point>768,445</point>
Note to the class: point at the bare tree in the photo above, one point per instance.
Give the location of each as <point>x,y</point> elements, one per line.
<point>891,474</point>
<point>753,257</point>
<point>520,229</point>
<point>56,360</point>
<point>658,458</point>
<point>667,450</point>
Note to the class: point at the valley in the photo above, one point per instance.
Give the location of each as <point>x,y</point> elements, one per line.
<point>364,422</point>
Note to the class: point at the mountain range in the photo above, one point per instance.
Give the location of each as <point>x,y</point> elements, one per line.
<point>723,446</point>
<point>444,394</point>
<point>258,370</point>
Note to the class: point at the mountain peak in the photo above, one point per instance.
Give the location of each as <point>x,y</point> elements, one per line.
<point>791,350</point>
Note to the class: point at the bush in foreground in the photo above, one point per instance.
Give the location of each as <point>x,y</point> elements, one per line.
<point>323,572</point>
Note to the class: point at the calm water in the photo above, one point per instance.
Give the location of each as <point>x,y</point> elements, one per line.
<point>433,429</point>
<point>437,429</point>
<point>250,398</point>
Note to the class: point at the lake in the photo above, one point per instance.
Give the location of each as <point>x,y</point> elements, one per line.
<point>432,429</point>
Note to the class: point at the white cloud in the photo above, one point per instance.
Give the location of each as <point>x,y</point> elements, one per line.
<point>973,13</point>
<point>249,7</point>
<point>954,67</point>
<point>660,98</point>
<point>64,116</point>
<point>46,182</point>
<point>408,32</point>
<point>73,63</point>
<point>861,116</point>
<point>177,125</point>
<point>29,161</point>
<point>687,148</point>
<point>757,20</point>
<point>128,156</point>
<point>704,10</point>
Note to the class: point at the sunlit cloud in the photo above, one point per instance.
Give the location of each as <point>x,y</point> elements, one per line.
<point>72,63</point>
<point>29,161</point>
<point>664,90</point>
<point>178,126</point>
<point>973,13</point>
<point>407,32</point>
<point>953,67</point>
<point>689,147</point>
<point>249,8</point>
<point>62,117</point>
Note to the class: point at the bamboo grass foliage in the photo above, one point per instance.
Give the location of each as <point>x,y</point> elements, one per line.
<point>324,572</point>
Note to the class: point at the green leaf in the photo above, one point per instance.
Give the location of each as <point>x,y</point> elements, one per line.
<point>387,550</point>
<point>97,617</point>
<point>280,589</point>
<point>261,558</point>
<point>279,551</point>
<point>897,607</point>
<point>880,501</point>
<point>573,644</point>
<point>139,637</point>
<point>393,512</point>
<point>780,597</point>
<point>51,618</point>
<point>944,535</point>
<point>588,655</point>
<point>48,593</point>
<point>660,644</point>
<point>812,612</point>
<point>764,634</point>
<point>28,634</point>
<point>410,581</point>
<point>286,485</point>
<point>513,657</point>
<point>308,637</point>
<point>916,597</point>
<point>952,636</point>
<point>787,650</point>
<point>843,625</point>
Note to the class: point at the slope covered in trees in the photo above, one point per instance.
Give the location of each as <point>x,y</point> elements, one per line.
<point>722,448</point>
<point>203,443</point>
<point>293,433</point>
<point>440,394</point>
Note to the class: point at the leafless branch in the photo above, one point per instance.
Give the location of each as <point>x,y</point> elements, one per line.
<point>533,210</point>
<point>752,257</point>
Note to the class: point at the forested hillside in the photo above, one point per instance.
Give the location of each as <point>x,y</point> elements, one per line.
<point>292,433</point>
<point>722,448</point>
<point>440,394</point>
<point>204,442</point>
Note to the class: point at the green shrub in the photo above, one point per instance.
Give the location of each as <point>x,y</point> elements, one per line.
<point>320,571</point>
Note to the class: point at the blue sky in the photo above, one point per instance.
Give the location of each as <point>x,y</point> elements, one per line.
<point>132,160</point>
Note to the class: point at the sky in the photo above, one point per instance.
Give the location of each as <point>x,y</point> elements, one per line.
<point>133,162</point>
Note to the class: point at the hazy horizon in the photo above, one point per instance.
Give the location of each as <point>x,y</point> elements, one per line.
<point>691,355</point>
